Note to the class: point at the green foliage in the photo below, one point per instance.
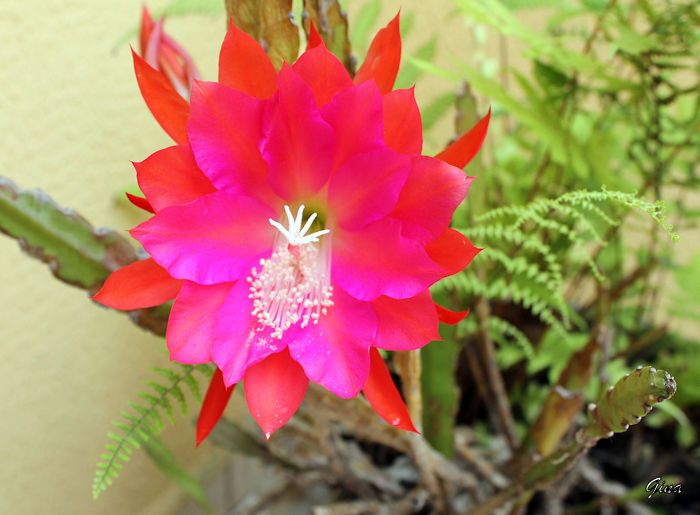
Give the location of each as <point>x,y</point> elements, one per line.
<point>527,247</point>
<point>686,302</point>
<point>440,395</point>
<point>163,458</point>
<point>606,102</point>
<point>75,251</point>
<point>146,420</point>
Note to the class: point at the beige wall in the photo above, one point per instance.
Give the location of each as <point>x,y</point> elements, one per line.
<point>71,119</point>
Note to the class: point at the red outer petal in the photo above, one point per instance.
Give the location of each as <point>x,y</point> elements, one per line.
<point>382,394</point>
<point>447,316</point>
<point>323,72</point>
<point>403,128</point>
<point>314,37</point>
<point>140,202</point>
<point>171,177</point>
<point>465,148</point>
<point>383,58</point>
<point>452,250</point>
<point>245,66</point>
<point>146,29</point>
<point>213,406</point>
<point>405,324</point>
<point>274,389</point>
<point>427,202</point>
<point>141,284</point>
<point>167,106</point>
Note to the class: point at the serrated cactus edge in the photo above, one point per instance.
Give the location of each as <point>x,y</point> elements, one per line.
<point>629,400</point>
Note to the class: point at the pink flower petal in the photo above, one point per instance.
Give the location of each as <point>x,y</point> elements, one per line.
<point>356,117</point>
<point>297,143</point>
<point>403,128</point>
<point>427,202</point>
<point>192,321</point>
<point>323,72</point>
<point>237,343</point>
<point>367,187</point>
<point>405,324</point>
<point>452,251</point>
<point>274,389</point>
<point>141,284</point>
<point>245,66</point>
<point>383,58</point>
<point>382,394</point>
<point>224,130</point>
<point>217,238</point>
<point>377,260</point>
<point>335,352</point>
<point>171,177</point>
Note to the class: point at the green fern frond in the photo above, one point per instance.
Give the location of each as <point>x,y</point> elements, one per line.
<point>503,333</point>
<point>525,241</point>
<point>584,200</point>
<point>146,420</point>
<point>527,249</point>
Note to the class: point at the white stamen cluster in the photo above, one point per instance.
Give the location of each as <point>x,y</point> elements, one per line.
<point>293,285</point>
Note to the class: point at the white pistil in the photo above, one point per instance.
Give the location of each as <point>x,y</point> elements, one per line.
<point>293,285</point>
<point>296,235</point>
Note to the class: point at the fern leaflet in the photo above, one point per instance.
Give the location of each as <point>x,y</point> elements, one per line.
<point>146,420</point>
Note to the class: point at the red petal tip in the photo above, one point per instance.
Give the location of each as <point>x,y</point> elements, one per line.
<point>449,317</point>
<point>140,202</point>
<point>213,406</point>
<point>462,151</point>
<point>314,37</point>
<point>383,57</point>
<point>383,396</point>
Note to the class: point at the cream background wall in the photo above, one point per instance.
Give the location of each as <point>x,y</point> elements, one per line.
<point>71,118</point>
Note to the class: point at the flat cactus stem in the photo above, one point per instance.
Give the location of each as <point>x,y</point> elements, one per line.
<point>77,253</point>
<point>271,23</point>
<point>332,25</point>
<point>632,398</point>
<point>619,407</point>
<point>440,392</point>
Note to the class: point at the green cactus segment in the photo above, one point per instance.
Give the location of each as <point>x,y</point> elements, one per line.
<point>331,22</point>
<point>440,393</point>
<point>271,23</point>
<point>629,401</point>
<point>76,252</point>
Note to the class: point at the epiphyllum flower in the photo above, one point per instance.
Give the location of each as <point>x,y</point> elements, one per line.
<point>297,226</point>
